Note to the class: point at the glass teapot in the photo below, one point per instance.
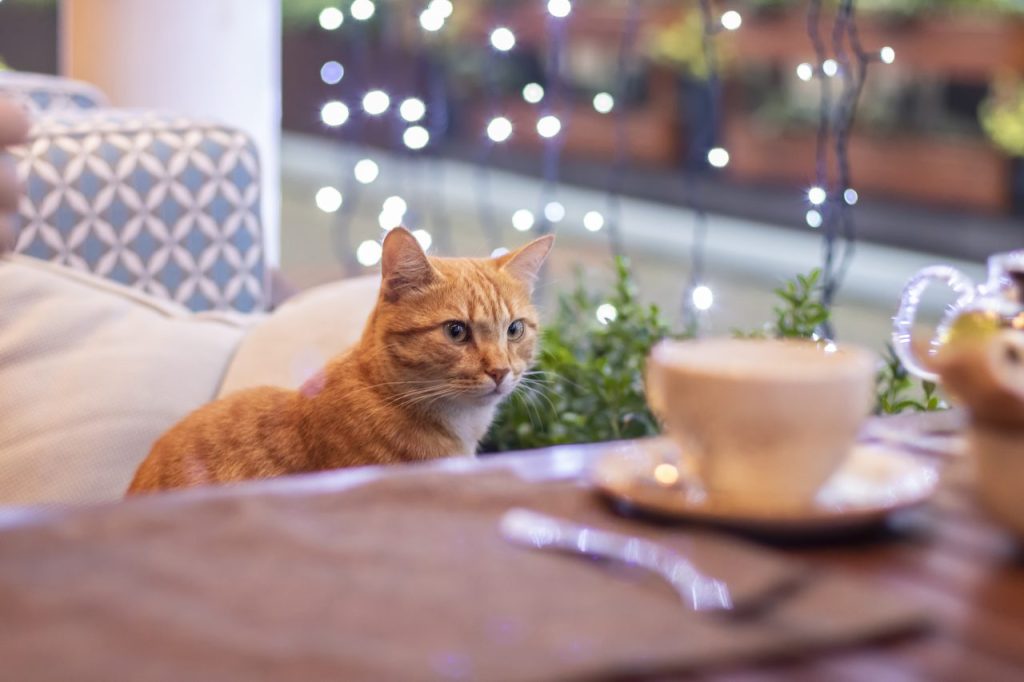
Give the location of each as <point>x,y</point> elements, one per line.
<point>998,303</point>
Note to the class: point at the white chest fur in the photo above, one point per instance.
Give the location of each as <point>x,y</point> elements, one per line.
<point>470,424</point>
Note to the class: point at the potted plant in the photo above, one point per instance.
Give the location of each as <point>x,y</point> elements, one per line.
<point>588,383</point>
<point>1002,118</point>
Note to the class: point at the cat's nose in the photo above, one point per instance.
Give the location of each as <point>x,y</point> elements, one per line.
<point>498,374</point>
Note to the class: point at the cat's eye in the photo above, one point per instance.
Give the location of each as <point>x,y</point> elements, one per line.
<point>456,331</point>
<point>516,330</point>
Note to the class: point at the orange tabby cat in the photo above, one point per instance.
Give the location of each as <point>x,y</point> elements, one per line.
<point>448,339</point>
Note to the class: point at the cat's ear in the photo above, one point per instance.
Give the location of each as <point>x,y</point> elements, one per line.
<point>524,264</point>
<point>404,266</point>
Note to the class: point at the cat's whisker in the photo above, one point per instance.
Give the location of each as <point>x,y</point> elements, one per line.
<point>563,378</point>
<point>524,387</point>
<point>358,392</point>
<point>372,387</point>
<point>415,393</point>
<point>430,394</point>
<point>532,391</point>
<point>535,391</point>
<point>531,411</point>
<point>424,401</point>
<point>534,384</point>
<point>530,398</point>
<point>540,378</point>
<point>434,399</point>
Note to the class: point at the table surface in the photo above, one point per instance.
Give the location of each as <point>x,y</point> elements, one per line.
<point>968,571</point>
<point>948,555</point>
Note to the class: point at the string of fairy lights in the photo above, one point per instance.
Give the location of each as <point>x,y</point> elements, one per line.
<point>830,200</point>
<point>832,196</point>
<point>699,297</point>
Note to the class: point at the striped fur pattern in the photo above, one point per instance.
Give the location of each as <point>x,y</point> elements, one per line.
<point>448,340</point>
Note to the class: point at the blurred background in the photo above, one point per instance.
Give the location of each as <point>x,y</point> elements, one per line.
<point>722,146</point>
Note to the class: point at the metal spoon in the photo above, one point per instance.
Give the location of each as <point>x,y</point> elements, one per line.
<point>697,591</point>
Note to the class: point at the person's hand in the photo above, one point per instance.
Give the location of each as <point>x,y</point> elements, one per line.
<point>13,130</point>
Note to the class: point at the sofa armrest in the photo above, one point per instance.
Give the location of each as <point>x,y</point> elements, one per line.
<point>40,93</point>
<point>164,203</point>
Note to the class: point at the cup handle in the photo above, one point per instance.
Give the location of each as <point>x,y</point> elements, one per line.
<point>903,323</point>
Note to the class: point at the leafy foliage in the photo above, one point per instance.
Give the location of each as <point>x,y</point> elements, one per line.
<point>589,385</point>
<point>908,8</point>
<point>680,46</point>
<point>1002,114</point>
<point>800,314</point>
<point>896,390</point>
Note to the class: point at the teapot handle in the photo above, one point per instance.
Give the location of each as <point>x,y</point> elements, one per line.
<point>903,323</point>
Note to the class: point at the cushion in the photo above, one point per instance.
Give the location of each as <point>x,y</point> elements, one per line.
<point>40,93</point>
<point>91,373</point>
<point>288,347</point>
<point>164,203</point>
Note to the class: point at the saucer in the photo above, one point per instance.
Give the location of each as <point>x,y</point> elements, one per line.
<point>874,481</point>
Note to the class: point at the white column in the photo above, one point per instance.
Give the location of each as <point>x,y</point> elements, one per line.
<point>219,59</point>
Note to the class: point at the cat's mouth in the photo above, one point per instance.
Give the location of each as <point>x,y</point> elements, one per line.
<point>489,392</point>
<point>505,388</point>
<point>496,391</point>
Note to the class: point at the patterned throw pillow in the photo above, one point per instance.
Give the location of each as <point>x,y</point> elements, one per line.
<point>40,93</point>
<point>162,203</point>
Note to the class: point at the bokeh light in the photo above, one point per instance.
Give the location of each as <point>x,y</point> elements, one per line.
<point>366,171</point>
<point>499,129</point>
<point>328,199</point>
<point>523,220</point>
<point>334,113</point>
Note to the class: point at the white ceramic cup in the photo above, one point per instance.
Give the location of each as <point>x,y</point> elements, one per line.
<point>766,421</point>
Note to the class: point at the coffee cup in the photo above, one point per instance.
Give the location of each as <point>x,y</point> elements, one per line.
<point>767,422</point>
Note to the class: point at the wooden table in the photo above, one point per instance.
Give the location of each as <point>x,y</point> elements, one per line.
<point>955,560</point>
<point>948,555</point>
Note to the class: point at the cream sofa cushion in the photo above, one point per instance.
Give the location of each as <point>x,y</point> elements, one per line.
<point>91,373</point>
<point>295,341</point>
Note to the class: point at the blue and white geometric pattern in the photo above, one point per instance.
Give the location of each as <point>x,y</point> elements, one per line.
<point>41,93</point>
<point>163,203</point>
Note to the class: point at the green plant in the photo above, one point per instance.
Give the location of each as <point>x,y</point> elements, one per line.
<point>896,391</point>
<point>680,46</point>
<point>908,8</point>
<point>588,385</point>
<point>303,12</point>
<point>306,13</point>
<point>1002,114</point>
<point>800,314</point>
